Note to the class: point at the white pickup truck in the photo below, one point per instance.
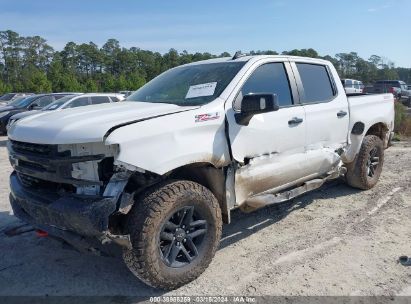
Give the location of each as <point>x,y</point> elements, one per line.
<point>159,173</point>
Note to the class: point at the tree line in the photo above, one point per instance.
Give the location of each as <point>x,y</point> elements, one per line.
<point>30,64</point>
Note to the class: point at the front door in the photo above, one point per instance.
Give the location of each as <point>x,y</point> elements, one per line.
<point>271,147</point>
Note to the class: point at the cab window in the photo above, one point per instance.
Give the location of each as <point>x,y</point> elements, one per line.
<point>316,83</point>
<point>269,78</point>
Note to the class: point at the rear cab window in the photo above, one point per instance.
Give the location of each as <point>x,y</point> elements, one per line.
<point>316,83</point>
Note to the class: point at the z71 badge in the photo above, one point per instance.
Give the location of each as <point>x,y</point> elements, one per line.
<point>206,117</point>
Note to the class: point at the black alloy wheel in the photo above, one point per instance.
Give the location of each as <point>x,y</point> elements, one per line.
<point>181,237</point>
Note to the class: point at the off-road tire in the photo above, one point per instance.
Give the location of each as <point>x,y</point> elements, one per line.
<point>357,171</point>
<point>144,223</point>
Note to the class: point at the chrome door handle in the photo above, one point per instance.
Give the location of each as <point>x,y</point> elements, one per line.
<point>341,114</point>
<point>295,121</point>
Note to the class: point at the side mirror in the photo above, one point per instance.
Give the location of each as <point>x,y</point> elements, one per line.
<point>253,104</point>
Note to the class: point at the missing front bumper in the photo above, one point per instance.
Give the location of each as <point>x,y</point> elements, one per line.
<point>87,216</point>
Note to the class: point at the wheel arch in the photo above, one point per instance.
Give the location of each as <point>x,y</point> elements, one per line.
<point>378,129</point>
<point>207,175</point>
<point>357,135</point>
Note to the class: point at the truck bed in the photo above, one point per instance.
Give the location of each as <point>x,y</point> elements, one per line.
<point>371,108</point>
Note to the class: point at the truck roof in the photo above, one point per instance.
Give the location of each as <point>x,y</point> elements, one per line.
<point>255,58</point>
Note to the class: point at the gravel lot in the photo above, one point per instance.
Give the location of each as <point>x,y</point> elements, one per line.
<point>334,241</point>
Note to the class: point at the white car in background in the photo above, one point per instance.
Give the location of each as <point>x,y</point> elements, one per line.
<point>352,86</point>
<point>71,101</point>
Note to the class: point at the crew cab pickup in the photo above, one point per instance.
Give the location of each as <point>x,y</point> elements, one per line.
<point>159,173</point>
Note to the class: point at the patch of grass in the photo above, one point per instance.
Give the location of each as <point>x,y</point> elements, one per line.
<point>400,115</point>
<point>402,122</point>
<point>396,137</point>
<point>405,127</point>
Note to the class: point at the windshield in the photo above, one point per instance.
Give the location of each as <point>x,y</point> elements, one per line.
<point>188,85</point>
<point>22,102</point>
<point>58,103</point>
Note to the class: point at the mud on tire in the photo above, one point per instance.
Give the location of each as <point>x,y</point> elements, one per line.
<point>155,226</point>
<point>365,170</point>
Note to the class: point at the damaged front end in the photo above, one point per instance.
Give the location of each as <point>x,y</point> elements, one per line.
<point>73,191</point>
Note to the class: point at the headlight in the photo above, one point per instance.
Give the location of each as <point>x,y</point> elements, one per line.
<point>4,114</point>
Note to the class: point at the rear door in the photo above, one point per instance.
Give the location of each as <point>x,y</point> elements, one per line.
<point>326,107</point>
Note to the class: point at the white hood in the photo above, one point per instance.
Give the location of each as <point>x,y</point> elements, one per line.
<point>85,124</point>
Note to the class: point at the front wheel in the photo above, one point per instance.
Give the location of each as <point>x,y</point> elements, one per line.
<point>366,169</point>
<point>175,230</point>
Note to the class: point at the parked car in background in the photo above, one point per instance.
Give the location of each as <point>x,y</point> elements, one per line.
<point>34,102</point>
<point>126,93</point>
<point>397,87</point>
<point>117,96</point>
<point>409,87</point>
<point>7,98</point>
<point>67,102</point>
<point>403,92</point>
<point>352,86</point>
<point>379,89</point>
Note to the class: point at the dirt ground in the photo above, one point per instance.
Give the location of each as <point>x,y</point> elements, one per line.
<point>334,241</point>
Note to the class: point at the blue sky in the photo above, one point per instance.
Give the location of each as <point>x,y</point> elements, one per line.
<point>368,27</point>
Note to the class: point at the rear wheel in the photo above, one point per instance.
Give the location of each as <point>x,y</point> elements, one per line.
<point>365,171</point>
<point>175,230</point>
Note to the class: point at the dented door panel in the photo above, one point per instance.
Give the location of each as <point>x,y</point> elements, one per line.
<point>268,133</point>
<point>273,173</point>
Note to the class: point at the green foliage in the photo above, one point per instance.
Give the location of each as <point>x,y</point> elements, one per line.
<point>4,88</point>
<point>402,122</point>
<point>35,80</point>
<point>69,83</point>
<point>30,64</point>
<point>400,115</point>
<point>90,86</point>
<point>303,53</point>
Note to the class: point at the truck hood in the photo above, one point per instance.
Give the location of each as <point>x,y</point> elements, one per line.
<point>86,124</point>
